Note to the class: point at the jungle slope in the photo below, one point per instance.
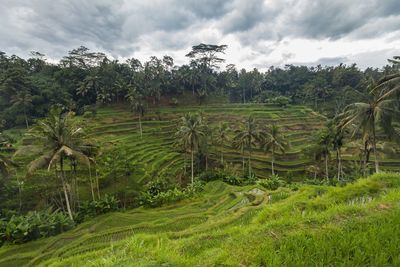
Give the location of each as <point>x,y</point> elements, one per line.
<point>354,225</point>
<point>155,155</point>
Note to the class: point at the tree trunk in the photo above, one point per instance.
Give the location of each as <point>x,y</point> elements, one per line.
<point>184,162</point>
<point>272,161</point>
<point>338,163</point>
<point>65,189</point>
<point>76,184</point>
<point>192,168</point>
<point>365,160</point>
<point>140,125</point>
<point>250,161</point>
<point>375,152</point>
<point>91,182</point>
<point>326,168</point>
<point>19,193</point>
<point>243,161</point>
<point>97,183</point>
<point>26,119</point>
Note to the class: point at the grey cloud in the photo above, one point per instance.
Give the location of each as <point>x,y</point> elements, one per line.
<point>123,27</point>
<point>244,16</point>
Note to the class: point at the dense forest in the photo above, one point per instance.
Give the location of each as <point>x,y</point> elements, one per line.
<point>82,79</point>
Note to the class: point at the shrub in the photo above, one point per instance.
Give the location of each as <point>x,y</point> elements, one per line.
<point>92,208</point>
<point>273,183</point>
<point>282,101</point>
<point>265,96</point>
<point>157,186</point>
<point>220,175</point>
<point>33,225</point>
<point>170,196</point>
<point>233,180</point>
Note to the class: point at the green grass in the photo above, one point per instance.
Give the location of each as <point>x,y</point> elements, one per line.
<point>354,225</point>
<point>154,156</point>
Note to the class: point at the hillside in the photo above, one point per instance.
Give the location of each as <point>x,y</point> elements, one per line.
<point>355,225</point>
<point>155,155</point>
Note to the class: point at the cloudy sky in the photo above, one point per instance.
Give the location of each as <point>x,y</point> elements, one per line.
<point>259,33</point>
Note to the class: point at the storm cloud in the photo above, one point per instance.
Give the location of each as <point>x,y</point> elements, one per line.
<point>259,33</point>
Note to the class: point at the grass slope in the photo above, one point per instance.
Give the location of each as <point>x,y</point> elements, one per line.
<point>355,225</point>
<point>154,156</point>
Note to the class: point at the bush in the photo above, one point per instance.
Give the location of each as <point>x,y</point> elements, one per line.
<point>233,180</point>
<point>93,208</point>
<point>282,101</point>
<point>265,96</point>
<point>170,196</point>
<point>33,225</point>
<point>220,175</point>
<point>157,186</point>
<point>273,183</point>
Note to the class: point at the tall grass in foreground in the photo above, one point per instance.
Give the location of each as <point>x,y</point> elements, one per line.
<point>355,225</point>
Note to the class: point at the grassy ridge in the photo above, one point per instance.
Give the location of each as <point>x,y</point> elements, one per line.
<point>117,126</point>
<point>154,156</point>
<point>355,225</point>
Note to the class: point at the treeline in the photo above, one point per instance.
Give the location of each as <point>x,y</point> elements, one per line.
<point>28,87</point>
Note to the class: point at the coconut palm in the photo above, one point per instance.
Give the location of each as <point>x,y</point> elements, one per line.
<point>247,137</point>
<point>23,100</point>
<point>192,133</point>
<point>337,142</point>
<point>272,141</point>
<point>378,109</point>
<point>222,137</point>
<point>61,139</point>
<point>314,169</point>
<point>320,149</point>
<point>136,101</point>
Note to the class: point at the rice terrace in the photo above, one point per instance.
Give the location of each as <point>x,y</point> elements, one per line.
<point>199,133</point>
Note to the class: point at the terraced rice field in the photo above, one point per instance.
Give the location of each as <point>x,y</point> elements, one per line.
<point>237,226</point>
<point>155,155</point>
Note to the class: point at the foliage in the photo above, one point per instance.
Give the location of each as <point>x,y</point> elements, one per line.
<point>93,208</point>
<point>171,195</point>
<point>221,175</point>
<point>272,183</point>
<point>33,225</point>
<point>192,135</point>
<point>354,225</point>
<point>282,101</point>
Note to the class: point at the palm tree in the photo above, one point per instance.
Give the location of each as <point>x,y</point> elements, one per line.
<point>135,99</point>
<point>319,150</point>
<point>61,139</point>
<point>378,109</point>
<point>273,140</point>
<point>314,169</point>
<point>222,137</point>
<point>337,142</point>
<point>246,137</point>
<point>89,86</point>
<point>192,133</point>
<point>23,100</point>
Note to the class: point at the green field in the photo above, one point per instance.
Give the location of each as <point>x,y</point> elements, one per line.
<point>115,129</point>
<point>355,225</point>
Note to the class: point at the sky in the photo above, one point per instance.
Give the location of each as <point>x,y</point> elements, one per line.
<point>259,33</point>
